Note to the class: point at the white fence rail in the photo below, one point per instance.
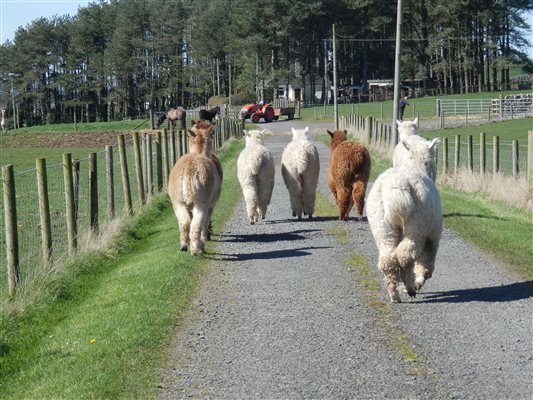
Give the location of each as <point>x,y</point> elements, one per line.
<point>519,105</point>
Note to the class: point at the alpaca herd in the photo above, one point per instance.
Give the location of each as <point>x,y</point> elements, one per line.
<point>403,205</point>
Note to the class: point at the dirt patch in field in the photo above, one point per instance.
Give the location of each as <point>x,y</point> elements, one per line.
<point>60,140</point>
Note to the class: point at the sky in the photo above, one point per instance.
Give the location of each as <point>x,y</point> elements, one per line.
<point>16,13</point>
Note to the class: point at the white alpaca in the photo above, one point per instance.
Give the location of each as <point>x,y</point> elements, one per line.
<point>255,170</point>
<point>405,129</point>
<point>300,167</point>
<point>405,217</point>
<point>418,152</point>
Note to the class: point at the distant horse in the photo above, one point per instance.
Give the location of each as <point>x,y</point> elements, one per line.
<point>208,115</point>
<point>172,115</point>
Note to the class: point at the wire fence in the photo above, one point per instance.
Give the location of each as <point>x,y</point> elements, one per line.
<point>508,157</point>
<point>157,153</point>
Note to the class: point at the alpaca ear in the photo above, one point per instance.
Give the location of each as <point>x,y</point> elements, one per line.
<point>306,129</point>
<point>416,121</point>
<point>330,133</point>
<point>193,122</point>
<point>434,143</point>
<point>191,133</point>
<point>211,130</point>
<point>261,132</point>
<point>346,132</point>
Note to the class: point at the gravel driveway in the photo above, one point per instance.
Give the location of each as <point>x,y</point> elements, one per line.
<point>284,314</point>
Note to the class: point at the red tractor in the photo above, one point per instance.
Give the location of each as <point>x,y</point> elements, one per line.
<point>256,111</point>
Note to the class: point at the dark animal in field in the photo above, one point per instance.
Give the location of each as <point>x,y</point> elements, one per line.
<point>209,115</point>
<point>172,115</point>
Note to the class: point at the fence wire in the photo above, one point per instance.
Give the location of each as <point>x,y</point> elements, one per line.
<point>31,259</point>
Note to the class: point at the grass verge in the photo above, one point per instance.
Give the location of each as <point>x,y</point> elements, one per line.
<point>103,330</point>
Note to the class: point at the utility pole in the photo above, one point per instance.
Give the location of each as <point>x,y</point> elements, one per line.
<point>335,105</point>
<point>397,60</point>
<point>326,88</point>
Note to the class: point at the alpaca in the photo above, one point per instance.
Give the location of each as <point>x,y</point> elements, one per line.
<point>414,150</point>
<point>348,174</point>
<point>194,188</point>
<point>208,115</point>
<point>193,148</point>
<point>300,167</point>
<point>256,170</point>
<point>405,217</point>
<point>407,128</point>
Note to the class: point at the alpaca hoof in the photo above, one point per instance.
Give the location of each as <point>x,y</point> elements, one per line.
<point>412,293</point>
<point>294,213</point>
<point>252,222</point>
<point>310,216</point>
<point>396,300</point>
<point>183,247</point>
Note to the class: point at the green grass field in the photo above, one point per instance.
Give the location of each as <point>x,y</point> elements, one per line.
<point>425,107</point>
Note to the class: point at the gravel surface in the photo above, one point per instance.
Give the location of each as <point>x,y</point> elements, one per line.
<point>282,315</point>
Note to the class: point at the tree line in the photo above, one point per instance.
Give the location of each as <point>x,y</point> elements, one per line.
<point>116,59</point>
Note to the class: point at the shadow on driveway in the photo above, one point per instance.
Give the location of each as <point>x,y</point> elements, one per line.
<point>512,292</point>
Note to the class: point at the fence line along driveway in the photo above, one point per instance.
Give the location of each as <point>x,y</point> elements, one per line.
<point>282,314</point>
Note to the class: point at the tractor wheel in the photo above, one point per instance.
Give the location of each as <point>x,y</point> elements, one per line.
<point>290,115</point>
<point>255,118</point>
<point>269,114</point>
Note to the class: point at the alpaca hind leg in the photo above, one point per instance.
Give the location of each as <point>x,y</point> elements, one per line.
<point>344,203</point>
<point>184,220</point>
<point>199,224</point>
<point>358,198</point>
<point>250,199</point>
<point>388,264</point>
<point>309,200</point>
<point>425,264</point>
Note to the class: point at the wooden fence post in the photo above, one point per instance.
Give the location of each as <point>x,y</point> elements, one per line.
<point>457,153</point>
<point>12,238</point>
<point>72,229</point>
<point>368,130</point>
<point>138,167</point>
<point>149,167</point>
<point>44,210</point>
<point>173,158</point>
<point>110,182</point>
<point>470,154</point>
<point>530,161</point>
<point>93,191</point>
<point>165,158</point>
<point>76,186</point>
<point>442,120</point>
<point>495,154</point>
<point>445,162</point>
<point>125,176</point>
<point>159,162</point>
<point>516,167</point>
<point>482,154</point>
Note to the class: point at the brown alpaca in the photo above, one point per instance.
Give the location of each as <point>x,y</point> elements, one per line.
<point>194,188</point>
<point>200,124</point>
<point>348,174</point>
